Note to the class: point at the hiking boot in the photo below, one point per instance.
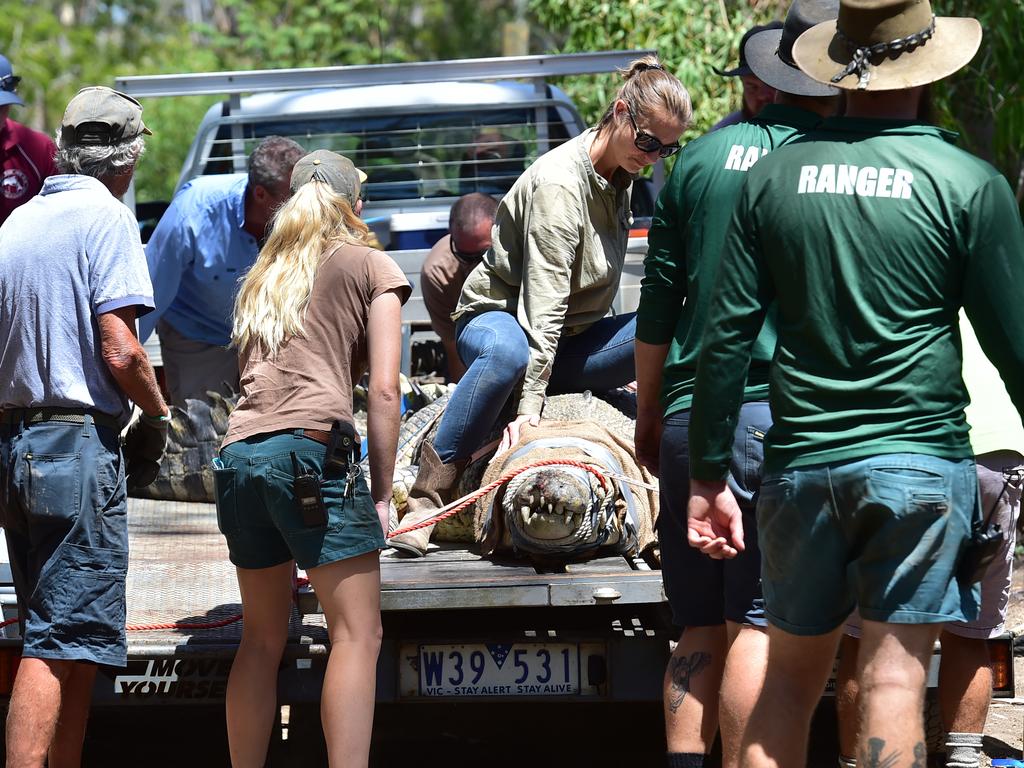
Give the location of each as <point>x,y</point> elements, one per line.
<point>431,491</point>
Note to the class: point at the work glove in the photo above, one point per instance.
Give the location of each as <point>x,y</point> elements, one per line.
<point>143,446</point>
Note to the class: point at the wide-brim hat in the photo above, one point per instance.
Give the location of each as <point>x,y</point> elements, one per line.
<point>770,53</point>
<point>886,45</point>
<point>743,68</point>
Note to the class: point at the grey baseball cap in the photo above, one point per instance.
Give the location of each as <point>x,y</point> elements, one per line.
<point>330,168</point>
<point>100,117</point>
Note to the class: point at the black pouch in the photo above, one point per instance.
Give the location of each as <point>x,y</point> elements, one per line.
<point>981,550</point>
<point>306,487</point>
<point>342,448</point>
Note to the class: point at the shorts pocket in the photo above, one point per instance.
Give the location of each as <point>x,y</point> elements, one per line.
<point>226,495</point>
<point>754,458</point>
<point>285,508</point>
<point>52,487</point>
<point>90,584</point>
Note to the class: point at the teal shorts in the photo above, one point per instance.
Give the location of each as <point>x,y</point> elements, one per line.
<point>260,518</point>
<point>882,534</point>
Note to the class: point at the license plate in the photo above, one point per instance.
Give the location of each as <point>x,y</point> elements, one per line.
<point>495,669</point>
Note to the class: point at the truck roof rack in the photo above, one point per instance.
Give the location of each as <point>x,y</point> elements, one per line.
<point>496,68</point>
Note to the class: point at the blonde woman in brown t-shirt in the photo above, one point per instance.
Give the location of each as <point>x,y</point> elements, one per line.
<point>317,308</point>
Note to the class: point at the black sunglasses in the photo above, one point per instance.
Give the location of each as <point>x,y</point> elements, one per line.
<point>647,143</point>
<point>9,83</point>
<point>469,258</point>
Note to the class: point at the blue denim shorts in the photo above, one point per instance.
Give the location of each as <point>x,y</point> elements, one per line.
<point>703,592</point>
<point>884,534</point>
<point>258,514</point>
<point>63,506</point>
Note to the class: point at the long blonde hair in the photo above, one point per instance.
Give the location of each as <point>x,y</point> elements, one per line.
<point>274,294</point>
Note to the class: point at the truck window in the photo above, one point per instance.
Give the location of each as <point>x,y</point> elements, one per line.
<point>411,156</point>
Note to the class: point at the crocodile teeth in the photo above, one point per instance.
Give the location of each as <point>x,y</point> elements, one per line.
<point>524,513</point>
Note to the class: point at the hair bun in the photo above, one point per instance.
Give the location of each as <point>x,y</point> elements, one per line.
<point>646,64</point>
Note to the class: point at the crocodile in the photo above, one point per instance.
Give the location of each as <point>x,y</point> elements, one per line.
<point>560,512</point>
<point>196,432</point>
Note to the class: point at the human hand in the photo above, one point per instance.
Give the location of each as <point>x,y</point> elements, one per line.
<point>511,434</point>
<point>144,444</point>
<point>647,439</point>
<point>714,522</point>
<point>384,515</point>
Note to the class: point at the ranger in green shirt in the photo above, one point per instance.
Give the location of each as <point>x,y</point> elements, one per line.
<point>868,234</point>
<point>685,244</point>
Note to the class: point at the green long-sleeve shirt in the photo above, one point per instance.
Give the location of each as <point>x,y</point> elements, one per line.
<point>685,246</point>
<point>869,235</point>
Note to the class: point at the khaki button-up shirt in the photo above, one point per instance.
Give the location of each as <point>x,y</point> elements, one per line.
<point>559,243</point>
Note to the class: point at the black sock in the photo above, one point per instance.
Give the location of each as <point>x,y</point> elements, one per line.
<point>685,759</point>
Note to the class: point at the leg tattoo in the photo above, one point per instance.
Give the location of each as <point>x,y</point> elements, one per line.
<point>874,758</point>
<point>920,756</point>
<point>681,671</point>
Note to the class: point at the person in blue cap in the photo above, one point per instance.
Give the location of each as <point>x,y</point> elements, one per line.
<point>26,156</point>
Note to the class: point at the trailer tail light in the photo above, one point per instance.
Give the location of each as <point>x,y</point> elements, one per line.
<point>10,658</point>
<point>1000,651</point>
<point>638,232</point>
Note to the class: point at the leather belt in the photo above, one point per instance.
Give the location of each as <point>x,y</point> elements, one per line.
<point>324,438</point>
<point>65,415</point>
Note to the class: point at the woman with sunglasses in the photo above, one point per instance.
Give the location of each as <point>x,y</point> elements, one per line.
<point>532,314</point>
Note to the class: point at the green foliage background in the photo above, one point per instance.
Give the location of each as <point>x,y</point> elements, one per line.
<point>59,45</point>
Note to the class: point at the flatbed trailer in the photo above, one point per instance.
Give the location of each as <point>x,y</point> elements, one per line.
<point>456,626</point>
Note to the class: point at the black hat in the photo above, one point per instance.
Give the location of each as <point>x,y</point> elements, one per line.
<point>770,53</point>
<point>743,69</point>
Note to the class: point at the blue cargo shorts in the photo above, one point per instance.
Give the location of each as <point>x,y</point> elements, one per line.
<point>703,592</point>
<point>63,506</point>
<point>258,514</point>
<point>884,534</point>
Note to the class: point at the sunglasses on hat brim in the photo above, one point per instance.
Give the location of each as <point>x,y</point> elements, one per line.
<point>9,83</point>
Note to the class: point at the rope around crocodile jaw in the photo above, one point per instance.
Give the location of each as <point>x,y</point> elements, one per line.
<point>458,505</point>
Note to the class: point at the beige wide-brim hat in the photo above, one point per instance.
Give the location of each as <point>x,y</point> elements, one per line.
<point>823,53</point>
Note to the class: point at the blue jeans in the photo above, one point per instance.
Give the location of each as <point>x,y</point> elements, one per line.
<point>730,590</point>
<point>494,347</point>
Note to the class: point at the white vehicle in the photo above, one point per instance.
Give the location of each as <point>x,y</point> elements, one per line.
<point>424,133</point>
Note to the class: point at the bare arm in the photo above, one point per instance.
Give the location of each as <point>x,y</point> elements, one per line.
<point>384,337</point>
<point>128,362</point>
<point>650,363</point>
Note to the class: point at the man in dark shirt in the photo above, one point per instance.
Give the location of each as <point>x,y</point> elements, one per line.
<point>868,234</point>
<point>721,651</point>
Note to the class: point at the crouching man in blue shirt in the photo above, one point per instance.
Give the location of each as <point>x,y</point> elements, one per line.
<point>73,280</point>
<point>206,240</point>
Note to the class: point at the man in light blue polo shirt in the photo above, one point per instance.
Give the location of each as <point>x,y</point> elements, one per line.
<point>73,281</point>
<point>205,241</point>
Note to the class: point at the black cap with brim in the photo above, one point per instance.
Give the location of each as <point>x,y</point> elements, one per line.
<point>764,63</point>
<point>743,67</point>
